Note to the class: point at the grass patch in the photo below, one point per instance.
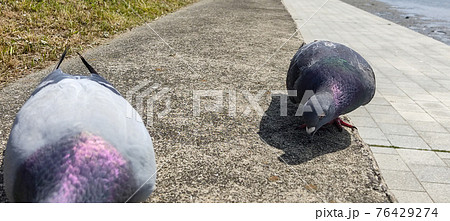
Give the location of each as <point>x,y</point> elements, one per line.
<point>35,32</point>
<point>408,148</point>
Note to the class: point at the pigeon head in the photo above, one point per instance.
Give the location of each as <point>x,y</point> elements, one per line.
<point>81,168</point>
<point>318,111</point>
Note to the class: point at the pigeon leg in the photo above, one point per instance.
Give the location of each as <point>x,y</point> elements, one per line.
<point>339,123</point>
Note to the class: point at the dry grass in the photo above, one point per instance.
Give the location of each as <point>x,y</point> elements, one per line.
<point>35,32</point>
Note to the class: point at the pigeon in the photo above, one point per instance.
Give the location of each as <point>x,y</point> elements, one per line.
<point>328,80</point>
<point>74,141</point>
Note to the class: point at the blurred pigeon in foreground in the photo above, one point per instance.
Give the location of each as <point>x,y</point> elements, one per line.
<point>72,141</point>
<point>340,79</point>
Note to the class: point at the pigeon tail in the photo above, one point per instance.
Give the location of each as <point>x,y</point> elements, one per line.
<point>89,67</point>
<point>62,58</point>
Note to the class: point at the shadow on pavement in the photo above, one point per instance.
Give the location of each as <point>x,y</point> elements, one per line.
<point>284,133</point>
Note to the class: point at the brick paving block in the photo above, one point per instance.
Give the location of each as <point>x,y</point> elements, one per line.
<point>398,129</point>
<point>424,78</point>
<point>394,91</point>
<point>365,121</point>
<point>381,142</point>
<point>418,94</point>
<point>447,161</point>
<point>390,162</point>
<point>361,111</point>
<point>407,141</point>
<point>443,155</point>
<point>416,116</point>
<point>427,126</point>
<point>445,122</point>
<point>388,118</point>
<point>420,157</point>
<point>431,174</point>
<point>438,114</point>
<point>399,64</point>
<point>398,77</point>
<point>380,109</point>
<point>439,192</point>
<point>428,105</point>
<point>438,141</point>
<point>444,82</point>
<point>382,80</point>
<point>409,89</point>
<point>379,101</point>
<point>404,196</point>
<point>420,65</point>
<point>398,99</point>
<point>408,107</point>
<point>388,83</point>
<point>435,75</point>
<point>432,87</point>
<point>384,150</point>
<point>371,133</point>
<point>409,84</point>
<point>401,180</point>
<point>445,101</point>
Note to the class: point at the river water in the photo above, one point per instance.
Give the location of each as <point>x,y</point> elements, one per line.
<point>432,9</point>
<point>434,13</point>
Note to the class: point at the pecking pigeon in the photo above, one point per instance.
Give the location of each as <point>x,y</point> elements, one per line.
<point>338,77</point>
<point>73,141</point>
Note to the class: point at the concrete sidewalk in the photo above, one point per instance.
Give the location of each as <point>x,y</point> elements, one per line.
<point>221,155</point>
<point>407,123</point>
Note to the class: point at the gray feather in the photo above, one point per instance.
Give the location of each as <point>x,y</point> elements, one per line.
<point>65,105</point>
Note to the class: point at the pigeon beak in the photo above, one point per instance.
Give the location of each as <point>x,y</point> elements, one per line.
<point>310,130</point>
